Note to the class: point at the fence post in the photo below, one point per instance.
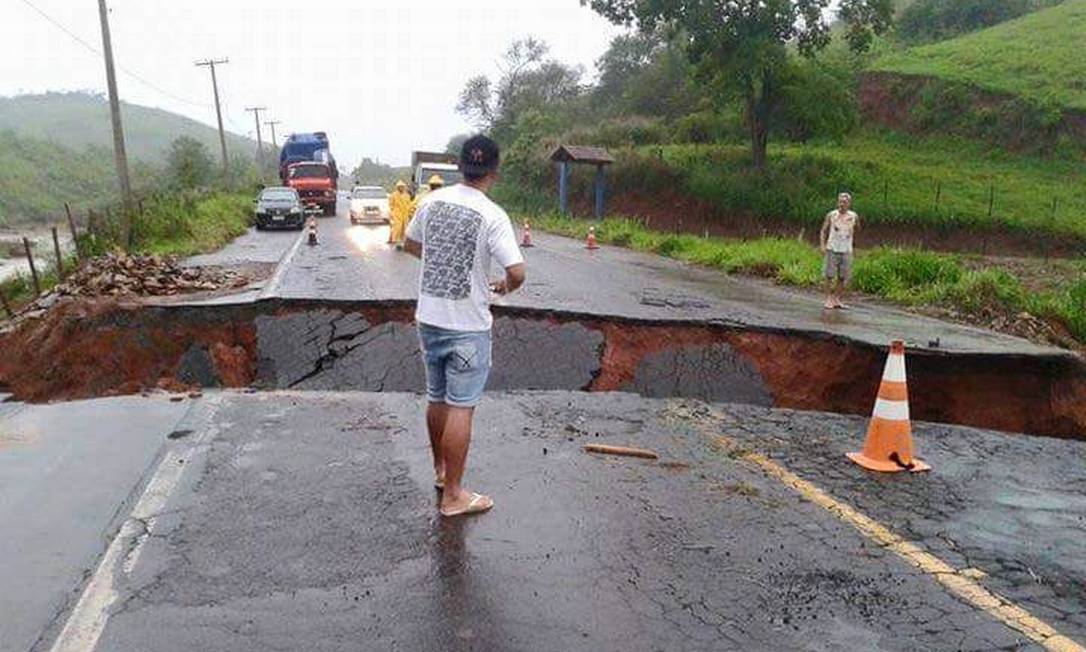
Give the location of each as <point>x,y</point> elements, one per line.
<point>885,194</point>
<point>60,258</point>
<point>71,227</point>
<point>991,199</point>
<point>938,193</point>
<point>33,269</point>
<point>7,306</point>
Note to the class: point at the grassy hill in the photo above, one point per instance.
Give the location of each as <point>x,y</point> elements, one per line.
<point>77,120</point>
<point>39,176</point>
<point>1039,57</point>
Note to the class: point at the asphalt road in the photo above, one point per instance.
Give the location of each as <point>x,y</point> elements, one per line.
<point>354,263</point>
<point>306,520</point>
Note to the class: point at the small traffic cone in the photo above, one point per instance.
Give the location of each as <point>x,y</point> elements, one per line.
<point>591,244</point>
<point>312,231</point>
<point>889,444</point>
<point>526,240</point>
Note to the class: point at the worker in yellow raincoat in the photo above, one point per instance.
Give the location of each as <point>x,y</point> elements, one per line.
<point>432,184</point>
<point>400,208</point>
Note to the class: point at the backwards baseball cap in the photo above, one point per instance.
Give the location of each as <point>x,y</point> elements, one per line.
<point>479,156</point>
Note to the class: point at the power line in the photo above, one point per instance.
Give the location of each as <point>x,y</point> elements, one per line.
<point>98,53</point>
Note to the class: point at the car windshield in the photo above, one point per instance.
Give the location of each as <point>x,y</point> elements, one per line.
<point>450,177</point>
<point>278,194</point>
<point>369,193</point>
<point>309,172</point>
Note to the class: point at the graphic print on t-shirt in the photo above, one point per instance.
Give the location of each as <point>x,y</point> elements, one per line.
<point>451,234</point>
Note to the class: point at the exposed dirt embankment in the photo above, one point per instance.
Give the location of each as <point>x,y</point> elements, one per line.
<point>79,351</point>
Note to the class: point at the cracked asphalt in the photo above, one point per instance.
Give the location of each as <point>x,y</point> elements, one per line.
<point>353,263</point>
<point>307,520</point>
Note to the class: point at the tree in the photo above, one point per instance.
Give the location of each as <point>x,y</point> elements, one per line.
<point>741,46</point>
<point>528,80</point>
<point>188,164</point>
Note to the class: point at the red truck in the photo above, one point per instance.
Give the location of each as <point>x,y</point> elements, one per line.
<point>315,183</point>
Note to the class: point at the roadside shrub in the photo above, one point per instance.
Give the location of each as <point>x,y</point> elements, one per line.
<point>708,127</point>
<point>906,275</point>
<point>988,291</point>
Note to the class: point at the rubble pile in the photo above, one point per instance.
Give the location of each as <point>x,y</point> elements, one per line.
<point>121,275</point>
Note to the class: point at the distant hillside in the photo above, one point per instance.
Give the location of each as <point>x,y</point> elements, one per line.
<point>77,120</point>
<point>1039,57</point>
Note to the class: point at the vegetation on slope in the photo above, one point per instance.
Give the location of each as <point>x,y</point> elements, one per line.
<point>76,120</point>
<point>38,176</point>
<point>1038,56</point>
<point>939,182</point>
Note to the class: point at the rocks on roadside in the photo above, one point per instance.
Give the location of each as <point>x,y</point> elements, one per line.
<point>122,275</point>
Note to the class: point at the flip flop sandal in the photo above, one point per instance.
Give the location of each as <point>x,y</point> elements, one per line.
<point>478,503</point>
<point>439,483</point>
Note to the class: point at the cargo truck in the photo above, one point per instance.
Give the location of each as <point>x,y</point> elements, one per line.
<point>307,165</point>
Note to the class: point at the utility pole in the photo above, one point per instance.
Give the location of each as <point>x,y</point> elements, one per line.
<point>272,123</point>
<point>275,143</point>
<point>259,143</point>
<point>120,158</point>
<point>211,63</point>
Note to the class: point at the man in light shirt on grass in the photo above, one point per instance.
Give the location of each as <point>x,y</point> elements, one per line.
<point>835,238</point>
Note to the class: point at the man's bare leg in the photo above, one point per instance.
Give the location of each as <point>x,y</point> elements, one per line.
<point>455,439</point>
<point>828,286</point>
<point>435,425</point>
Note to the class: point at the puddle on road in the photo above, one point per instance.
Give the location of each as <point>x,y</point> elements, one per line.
<point>310,345</point>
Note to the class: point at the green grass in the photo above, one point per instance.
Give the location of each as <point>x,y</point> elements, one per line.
<point>893,177</point>
<point>182,225</point>
<point>1039,56</point>
<point>906,276</point>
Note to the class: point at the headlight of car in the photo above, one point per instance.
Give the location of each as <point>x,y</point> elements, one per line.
<point>295,210</point>
<point>261,211</point>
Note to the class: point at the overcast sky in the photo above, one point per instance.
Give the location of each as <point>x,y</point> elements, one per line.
<point>381,78</point>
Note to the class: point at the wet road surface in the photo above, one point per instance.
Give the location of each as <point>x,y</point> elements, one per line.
<point>66,474</point>
<point>353,263</point>
<point>306,520</point>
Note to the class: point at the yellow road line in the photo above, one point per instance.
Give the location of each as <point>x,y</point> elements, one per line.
<point>957,583</point>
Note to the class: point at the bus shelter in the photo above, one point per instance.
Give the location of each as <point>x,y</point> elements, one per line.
<point>565,156</point>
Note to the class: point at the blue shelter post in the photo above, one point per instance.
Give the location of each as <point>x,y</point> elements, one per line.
<point>563,187</point>
<point>566,155</point>
<point>599,191</point>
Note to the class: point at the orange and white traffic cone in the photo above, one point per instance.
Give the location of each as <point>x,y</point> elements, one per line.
<point>889,444</point>
<point>591,243</point>
<point>312,225</point>
<point>526,240</point>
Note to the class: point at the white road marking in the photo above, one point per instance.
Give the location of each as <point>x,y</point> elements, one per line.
<point>282,267</point>
<point>91,613</point>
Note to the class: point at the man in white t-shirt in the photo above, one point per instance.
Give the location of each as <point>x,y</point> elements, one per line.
<point>457,232</point>
<point>836,242</point>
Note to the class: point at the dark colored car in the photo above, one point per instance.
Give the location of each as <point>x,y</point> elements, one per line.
<point>279,208</point>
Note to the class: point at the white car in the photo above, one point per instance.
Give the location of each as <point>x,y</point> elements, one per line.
<point>369,205</point>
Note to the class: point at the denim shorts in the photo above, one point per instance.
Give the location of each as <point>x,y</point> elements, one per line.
<point>457,364</point>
